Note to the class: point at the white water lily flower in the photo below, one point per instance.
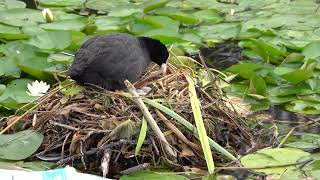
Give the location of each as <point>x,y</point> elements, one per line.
<point>37,88</point>
<point>47,15</point>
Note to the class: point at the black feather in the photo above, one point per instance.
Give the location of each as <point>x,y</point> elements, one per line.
<point>108,60</point>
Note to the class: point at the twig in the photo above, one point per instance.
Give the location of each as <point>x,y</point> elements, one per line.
<point>177,132</point>
<point>64,125</point>
<point>285,138</point>
<point>171,154</point>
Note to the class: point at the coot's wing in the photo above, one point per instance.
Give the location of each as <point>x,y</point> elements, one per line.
<point>116,60</point>
<point>109,60</point>
<point>83,58</point>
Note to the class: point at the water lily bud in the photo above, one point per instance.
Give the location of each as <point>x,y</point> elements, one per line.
<point>47,15</point>
<point>232,11</point>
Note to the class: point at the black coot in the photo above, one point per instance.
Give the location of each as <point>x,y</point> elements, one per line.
<point>110,59</point>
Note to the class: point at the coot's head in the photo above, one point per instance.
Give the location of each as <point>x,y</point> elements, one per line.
<point>158,51</point>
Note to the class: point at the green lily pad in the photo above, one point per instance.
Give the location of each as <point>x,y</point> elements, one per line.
<point>19,145</point>
<point>151,5</point>
<point>51,40</point>
<point>303,107</point>
<point>12,33</point>
<point>105,6</point>
<point>11,4</point>
<point>312,50</point>
<point>297,75</point>
<point>9,68</point>
<point>273,159</point>
<point>61,3</point>
<point>16,94</point>
<point>177,15</point>
<point>65,25</point>
<point>21,17</point>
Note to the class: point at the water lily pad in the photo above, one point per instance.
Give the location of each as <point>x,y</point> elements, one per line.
<point>107,24</point>
<point>297,75</point>
<point>222,31</point>
<point>177,15</point>
<point>124,11</point>
<point>66,25</point>
<point>61,3</point>
<point>9,68</point>
<point>36,67</point>
<point>151,5</point>
<point>60,59</point>
<point>11,4</point>
<point>19,145</point>
<point>273,159</point>
<point>312,50</point>
<point>208,16</point>
<point>51,40</point>
<point>105,6</point>
<point>21,17</point>
<point>16,94</point>
<point>303,107</point>
<point>12,33</point>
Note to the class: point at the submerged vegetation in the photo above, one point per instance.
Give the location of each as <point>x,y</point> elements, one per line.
<point>266,52</point>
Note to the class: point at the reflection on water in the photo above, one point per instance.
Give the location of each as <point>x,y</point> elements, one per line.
<point>288,120</point>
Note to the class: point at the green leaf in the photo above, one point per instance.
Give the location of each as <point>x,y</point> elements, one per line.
<point>21,17</point>
<point>9,68</point>
<point>285,90</point>
<point>209,16</point>
<point>273,159</point>
<point>62,3</point>
<point>2,88</point>
<point>142,136</point>
<point>267,51</point>
<point>151,5</point>
<point>35,67</point>
<point>257,85</point>
<point>19,145</point>
<point>16,93</point>
<point>152,176</point>
<point>11,4</point>
<point>65,25</point>
<point>195,104</point>
<point>303,107</point>
<point>105,6</point>
<point>297,76</point>
<point>166,36</point>
<point>293,57</point>
<point>150,23</point>
<point>312,50</point>
<point>124,11</point>
<point>107,24</point>
<point>51,40</point>
<point>72,90</point>
<point>238,68</point>
<point>60,59</point>
<point>177,15</point>
<point>12,33</point>
<point>188,125</point>
<point>222,31</point>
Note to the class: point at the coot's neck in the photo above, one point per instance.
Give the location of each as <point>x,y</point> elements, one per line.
<point>157,51</point>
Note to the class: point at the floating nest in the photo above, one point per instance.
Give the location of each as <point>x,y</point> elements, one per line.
<point>97,130</point>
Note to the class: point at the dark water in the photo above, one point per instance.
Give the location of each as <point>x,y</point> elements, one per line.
<point>288,120</point>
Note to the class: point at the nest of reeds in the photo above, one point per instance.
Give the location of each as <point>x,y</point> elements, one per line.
<point>98,130</point>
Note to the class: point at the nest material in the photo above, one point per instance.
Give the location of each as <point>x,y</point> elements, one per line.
<point>96,124</point>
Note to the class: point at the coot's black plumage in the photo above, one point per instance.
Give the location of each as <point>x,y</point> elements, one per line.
<point>110,59</point>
